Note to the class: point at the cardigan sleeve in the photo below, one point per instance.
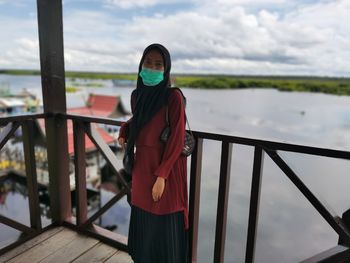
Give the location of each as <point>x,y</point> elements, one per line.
<point>124,128</point>
<point>176,140</point>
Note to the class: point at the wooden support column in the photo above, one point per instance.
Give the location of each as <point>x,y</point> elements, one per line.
<point>54,98</point>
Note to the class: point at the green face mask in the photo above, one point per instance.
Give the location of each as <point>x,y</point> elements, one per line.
<point>151,77</point>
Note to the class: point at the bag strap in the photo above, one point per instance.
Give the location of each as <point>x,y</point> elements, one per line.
<point>167,112</point>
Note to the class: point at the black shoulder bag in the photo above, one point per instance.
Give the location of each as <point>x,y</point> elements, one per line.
<point>189,138</point>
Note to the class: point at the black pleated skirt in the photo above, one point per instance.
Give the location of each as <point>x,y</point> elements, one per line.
<point>157,238</point>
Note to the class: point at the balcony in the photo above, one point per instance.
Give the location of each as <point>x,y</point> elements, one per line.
<point>77,237</point>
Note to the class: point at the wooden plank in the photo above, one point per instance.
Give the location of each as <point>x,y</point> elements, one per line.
<point>71,250</point>
<point>30,243</point>
<point>109,237</point>
<point>120,257</point>
<point>44,249</point>
<point>99,253</point>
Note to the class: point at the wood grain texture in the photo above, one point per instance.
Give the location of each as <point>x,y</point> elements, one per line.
<point>29,244</point>
<point>46,248</point>
<point>99,253</point>
<point>72,250</point>
<point>62,244</point>
<point>120,257</point>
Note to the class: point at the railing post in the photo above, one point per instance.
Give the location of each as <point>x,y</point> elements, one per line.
<point>30,166</point>
<point>194,200</point>
<point>254,203</point>
<point>54,98</point>
<point>346,224</point>
<point>80,172</point>
<point>221,215</point>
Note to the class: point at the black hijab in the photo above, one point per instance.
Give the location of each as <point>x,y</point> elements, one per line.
<point>147,102</point>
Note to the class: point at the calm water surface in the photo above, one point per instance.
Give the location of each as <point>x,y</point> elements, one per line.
<point>290,229</point>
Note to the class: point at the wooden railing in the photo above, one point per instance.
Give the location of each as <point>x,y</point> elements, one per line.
<point>50,28</point>
<point>9,126</point>
<point>83,125</point>
<point>337,254</point>
<point>260,146</point>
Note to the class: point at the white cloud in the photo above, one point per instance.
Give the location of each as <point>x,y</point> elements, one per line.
<point>18,3</point>
<point>131,3</point>
<point>128,4</point>
<point>219,36</point>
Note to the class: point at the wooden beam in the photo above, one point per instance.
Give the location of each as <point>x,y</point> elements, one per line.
<point>107,153</point>
<point>108,205</point>
<point>337,254</point>
<point>254,204</point>
<point>18,118</point>
<point>80,172</point>
<point>194,200</point>
<point>54,98</point>
<point>52,55</point>
<point>221,214</point>
<point>14,224</point>
<point>7,132</point>
<point>332,221</point>
<point>32,183</point>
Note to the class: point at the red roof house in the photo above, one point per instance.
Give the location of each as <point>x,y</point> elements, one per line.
<point>97,105</point>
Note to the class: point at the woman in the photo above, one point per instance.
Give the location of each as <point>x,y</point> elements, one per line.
<point>159,218</point>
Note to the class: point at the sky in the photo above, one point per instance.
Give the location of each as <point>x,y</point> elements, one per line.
<point>250,37</point>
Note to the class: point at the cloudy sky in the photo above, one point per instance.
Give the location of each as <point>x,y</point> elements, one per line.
<point>289,37</point>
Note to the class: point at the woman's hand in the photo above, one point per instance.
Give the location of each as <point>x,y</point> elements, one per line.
<point>121,142</point>
<point>158,189</point>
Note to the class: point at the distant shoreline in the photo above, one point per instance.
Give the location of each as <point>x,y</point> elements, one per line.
<point>328,85</point>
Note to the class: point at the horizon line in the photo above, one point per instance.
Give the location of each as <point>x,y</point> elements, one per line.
<point>4,71</point>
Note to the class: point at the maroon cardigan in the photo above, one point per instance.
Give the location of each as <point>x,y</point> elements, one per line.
<point>154,158</point>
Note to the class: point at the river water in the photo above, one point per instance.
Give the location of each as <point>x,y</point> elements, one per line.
<point>289,229</point>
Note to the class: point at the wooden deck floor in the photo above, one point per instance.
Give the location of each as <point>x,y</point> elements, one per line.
<point>61,244</point>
